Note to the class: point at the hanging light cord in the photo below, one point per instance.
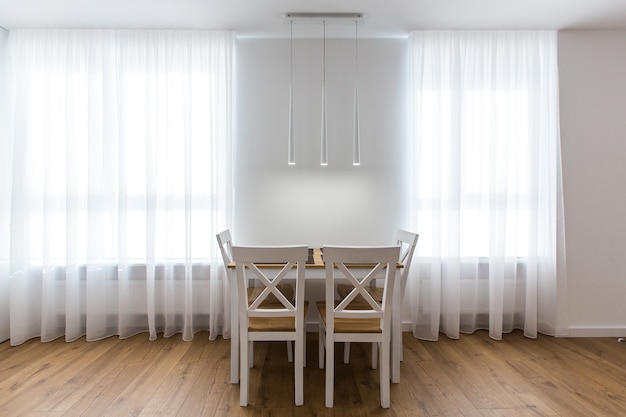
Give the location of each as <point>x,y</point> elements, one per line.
<point>324,145</point>
<point>324,52</point>
<point>291,156</point>
<point>356,150</point>
<point>291,53</point>
<point>356,50</point>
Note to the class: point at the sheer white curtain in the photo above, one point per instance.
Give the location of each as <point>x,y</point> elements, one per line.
<point>5,181</point>
<point>487,184</point>
<point>121,178</point>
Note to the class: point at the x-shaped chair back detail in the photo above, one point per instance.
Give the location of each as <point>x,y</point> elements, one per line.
<point>269,285</point>
<point>360,286</point>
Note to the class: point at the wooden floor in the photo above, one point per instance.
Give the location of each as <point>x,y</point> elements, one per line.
<point>472,376</point>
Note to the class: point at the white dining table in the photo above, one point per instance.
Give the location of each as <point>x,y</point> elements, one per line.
<point>315,270</point>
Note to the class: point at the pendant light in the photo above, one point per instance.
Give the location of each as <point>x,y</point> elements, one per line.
<point>324,146</point>
<point>356,147</point>
<point>291,151</point>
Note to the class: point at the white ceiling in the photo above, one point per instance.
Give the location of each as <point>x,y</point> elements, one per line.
<point>263,18</point>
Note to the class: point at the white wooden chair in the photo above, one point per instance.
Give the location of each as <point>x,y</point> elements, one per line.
<point>342,321</point>
<point>260,319</point>
<point>407,242</point>
<point>225,243</point>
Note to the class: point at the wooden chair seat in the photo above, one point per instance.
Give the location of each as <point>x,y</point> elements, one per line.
<point>274,324</point>
<point>343,325</point>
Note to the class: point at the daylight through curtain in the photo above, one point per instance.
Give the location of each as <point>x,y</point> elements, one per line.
<point>486,188</point>
<point>119,143</point>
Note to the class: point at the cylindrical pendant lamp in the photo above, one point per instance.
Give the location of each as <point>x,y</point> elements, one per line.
<point>356,147</point>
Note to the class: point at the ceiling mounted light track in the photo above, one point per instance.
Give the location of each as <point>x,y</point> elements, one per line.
<point>323,16</point>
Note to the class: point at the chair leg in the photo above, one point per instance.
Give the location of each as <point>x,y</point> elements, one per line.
<point>385,398</point>
<point>346,352</point>
<point>244,369</point>
<point>321,343</point>
<point>330,371</point>
<point>374,354</point>
<point>234,334</point>
<point>299,370</point>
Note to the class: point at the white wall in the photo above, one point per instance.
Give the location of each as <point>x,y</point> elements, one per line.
<point>340,203</point>
<point>592,71</point>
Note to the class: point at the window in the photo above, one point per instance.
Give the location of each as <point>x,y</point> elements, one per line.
<point>123,162</point>
<point>475,170</point>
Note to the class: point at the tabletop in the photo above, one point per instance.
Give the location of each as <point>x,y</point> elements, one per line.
<point>315,260</point>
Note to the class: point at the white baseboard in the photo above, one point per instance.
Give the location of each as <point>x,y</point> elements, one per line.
<point>596,332</point>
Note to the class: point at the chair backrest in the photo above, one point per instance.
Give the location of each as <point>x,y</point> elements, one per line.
<point>270,265</point>
<point>359,266</point>
<point>407,242</point>
<point>225,242</point>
